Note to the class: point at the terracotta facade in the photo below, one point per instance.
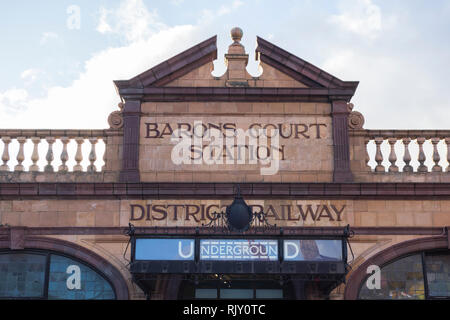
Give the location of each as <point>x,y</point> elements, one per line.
<point>324,181</point>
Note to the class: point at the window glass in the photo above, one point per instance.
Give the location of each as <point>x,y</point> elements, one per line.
<point>236,293</point>
<point>70,279</point>
<point>22,275</point>
<point>269,294</point>
<point>401,279</point>
<point>205,293</point>
<point>438,275</point>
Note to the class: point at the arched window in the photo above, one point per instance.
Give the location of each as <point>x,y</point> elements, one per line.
<point>424,275</point>
<point>48,275</point>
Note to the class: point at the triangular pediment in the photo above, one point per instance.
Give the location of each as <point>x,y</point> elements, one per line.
<point>192,69</point>
<point>202,77</point>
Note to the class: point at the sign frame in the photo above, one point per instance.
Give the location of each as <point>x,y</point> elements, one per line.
<point>198,266</point>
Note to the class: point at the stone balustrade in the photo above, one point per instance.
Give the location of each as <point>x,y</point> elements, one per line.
<point>405,151</point>
<point>15,143</point>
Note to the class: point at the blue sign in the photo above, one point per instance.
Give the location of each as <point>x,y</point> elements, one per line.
<point>312,250</point>
<point>164,249</point>
<point>238,250</point>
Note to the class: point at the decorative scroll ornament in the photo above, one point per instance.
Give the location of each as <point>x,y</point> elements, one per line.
<point>355,118</point>
<point>115,119</point>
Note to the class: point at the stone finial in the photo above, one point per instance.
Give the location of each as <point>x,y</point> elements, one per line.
<point>236,34</point>
<point>236,60</point>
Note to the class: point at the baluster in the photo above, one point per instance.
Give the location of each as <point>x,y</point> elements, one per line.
<point>35,154</point>
<point>92,155</point>
<point>20,154</point>
<point>78,155</point>
<point>104,155</point>
<point>49,157</point>
<point>436,156</point>
<point>366,141</point>
<point>447,141</point>
<point>379,155</point>
<point>407,156</point>
<point>392,155</point>
<point>422,158</point>
<point>5,156</point>
<point>64,155</point>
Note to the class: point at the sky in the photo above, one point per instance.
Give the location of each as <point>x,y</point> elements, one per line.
<point>58,58</point>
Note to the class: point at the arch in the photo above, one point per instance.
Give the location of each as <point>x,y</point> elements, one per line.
<point>78,252</point>
<point>383,257</point>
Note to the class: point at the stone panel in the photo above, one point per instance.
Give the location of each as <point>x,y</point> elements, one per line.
<point>305,147</point>
<point>112,213</point>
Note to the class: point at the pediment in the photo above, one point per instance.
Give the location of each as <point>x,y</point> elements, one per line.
<point>280,69</point>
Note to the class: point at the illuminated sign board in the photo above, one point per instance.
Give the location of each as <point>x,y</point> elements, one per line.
<point>159,249</point>
<point>312,250</point>
<point>238,250</point>
<point>164,249</point>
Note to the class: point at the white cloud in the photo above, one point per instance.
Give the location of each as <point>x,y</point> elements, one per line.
<point>103,25</point>
<point>393,93</point>
<point>401,86</point>
<point>131,19</point>
<point>228,9</point>
<point>30,75</point>
<point>361,17</point>
<point>208,16</point>
<point>13,100</point>
<point>47,36</point>
<point>87,102</point>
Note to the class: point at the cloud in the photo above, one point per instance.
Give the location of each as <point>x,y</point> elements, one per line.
<point>403,83</point>
<point>47,36</point>
<point>131,19</point>
<point>208,16</point>
<point>88,100</point>
<point>393,93</point>
<point>361,17</point>
<point>13,100</point>
<point>30,75</point>
<point>228,9</point>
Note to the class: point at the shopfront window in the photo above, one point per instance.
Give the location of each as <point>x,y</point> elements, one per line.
<point>236,289</point>
<point>401,279</point>
<point>238,293</point>
<point>43,275</point>
<point>438,275</point>
<point>22,275</point>
<point>420,276</point>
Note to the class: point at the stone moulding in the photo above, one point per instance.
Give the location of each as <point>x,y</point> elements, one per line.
<point>224,190</point>
<point>303,231</point>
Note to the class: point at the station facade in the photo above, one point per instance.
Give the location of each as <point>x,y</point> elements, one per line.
<point>300,208</point>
